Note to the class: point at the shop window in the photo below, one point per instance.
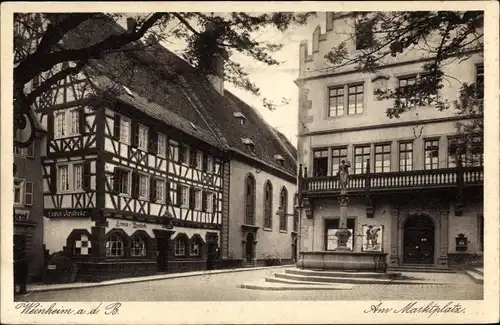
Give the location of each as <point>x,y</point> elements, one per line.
<point>138,248</point>
<point>114,246</point>
<point>180,246</point>
<point>195,247</point>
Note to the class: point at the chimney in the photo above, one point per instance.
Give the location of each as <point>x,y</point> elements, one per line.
<point>215,71</point>
<point>131,24</point>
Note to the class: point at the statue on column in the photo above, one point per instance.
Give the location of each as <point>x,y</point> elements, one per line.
<point>343,174</point>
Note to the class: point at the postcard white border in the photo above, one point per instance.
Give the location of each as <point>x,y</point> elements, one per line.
<point>262,312</point>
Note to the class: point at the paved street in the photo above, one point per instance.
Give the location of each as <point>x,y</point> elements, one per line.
<point>225,287</point>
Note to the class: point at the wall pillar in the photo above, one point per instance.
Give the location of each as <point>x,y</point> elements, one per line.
<point>394,253</point>
<point>443,247</point>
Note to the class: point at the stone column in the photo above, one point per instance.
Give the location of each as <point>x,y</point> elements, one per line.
<point>394,254</point>
<point>443,240</point>
<point>343,233</point>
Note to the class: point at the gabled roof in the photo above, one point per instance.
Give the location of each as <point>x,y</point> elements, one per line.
<point>168,89</point>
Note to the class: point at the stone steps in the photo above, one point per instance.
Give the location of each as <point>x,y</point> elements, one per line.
<point>346,274</point>
<point>476,275</point>
<point>419,268</point>
<point>264,285</point>
<point>312,283</point>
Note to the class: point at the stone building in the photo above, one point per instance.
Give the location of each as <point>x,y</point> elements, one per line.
<point>407,191</point>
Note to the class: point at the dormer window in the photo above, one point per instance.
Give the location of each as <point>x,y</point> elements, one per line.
<point>240,117</point>
<point>280,160</point>
<point>248,144</point>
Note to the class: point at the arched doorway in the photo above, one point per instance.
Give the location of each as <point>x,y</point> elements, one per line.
<point>249,247</point>
<point>418,240</point>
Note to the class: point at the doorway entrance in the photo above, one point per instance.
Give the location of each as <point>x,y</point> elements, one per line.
<point>418,240</point>
<point>294,249</point>
<point>249,247</point>
<point>162,253</point>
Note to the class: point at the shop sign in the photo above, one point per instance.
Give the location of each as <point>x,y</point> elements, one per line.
<point>67,213</point>
<point>129,224</point>
<point>21,215</point>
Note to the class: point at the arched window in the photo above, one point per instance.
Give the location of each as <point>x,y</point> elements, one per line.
<point>268,205</point>
<point>195,249</point>
<point>250,200</point>
<point>284,209</point>
<point>114,246</point>
<point>138,247</point>
<point>180,245</point>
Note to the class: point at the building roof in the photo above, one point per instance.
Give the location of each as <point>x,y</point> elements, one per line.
<point>167,88</point>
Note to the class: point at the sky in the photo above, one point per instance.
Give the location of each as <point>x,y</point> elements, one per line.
<point>275,82</point>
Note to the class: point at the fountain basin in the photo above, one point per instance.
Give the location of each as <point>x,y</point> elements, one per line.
<point>347,261</point>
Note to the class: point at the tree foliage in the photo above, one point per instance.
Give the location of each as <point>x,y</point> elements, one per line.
<point>39,43</point>
<point>444,38</point>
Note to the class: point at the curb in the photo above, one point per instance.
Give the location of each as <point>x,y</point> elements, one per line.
<point>58,287</point>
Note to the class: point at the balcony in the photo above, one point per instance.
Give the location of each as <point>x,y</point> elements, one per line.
<point>394,181</point>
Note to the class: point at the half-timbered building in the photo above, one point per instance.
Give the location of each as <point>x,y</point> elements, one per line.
<point>147,163</point>
<point>132,176</point>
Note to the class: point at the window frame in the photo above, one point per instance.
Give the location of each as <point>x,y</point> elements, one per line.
<point>164,190</point>
<point>250,199</point>
<point>198,198</point>
<point>21,191</point>
<point>426,150</point>
<point>283,224</point>
<point>138,238</point>
<point>340,157</point>
<point>405,151</point>
<point>337,98</point>
<point>315,171</point>
<point>142,137</point>
<point>109,249</point>
<point>182,188</point>
<point>198,160</point>
<point>141,176</point>
<point>363,160</point>
<point>268,205</point>
<point>125,121</point>
<point>383,153</point>
<point>355,94</point>
<point>162,145</point>
<point>177,248</point>
<point>127,171</point>
<point>69,123</point>
<point>209,204</point>
<point>195,242</point>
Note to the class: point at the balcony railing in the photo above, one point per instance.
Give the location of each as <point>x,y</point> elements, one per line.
<point>446,177</point>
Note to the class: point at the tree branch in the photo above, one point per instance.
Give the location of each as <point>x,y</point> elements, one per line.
<point>34,65</point>
<point>47,84</point>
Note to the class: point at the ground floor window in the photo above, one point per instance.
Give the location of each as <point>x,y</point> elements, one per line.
<point>180,247</point>
<point>114,246</point>
<point>138,246</point>
<point>195,248</point>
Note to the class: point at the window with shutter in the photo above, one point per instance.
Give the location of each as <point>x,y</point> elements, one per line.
<point>191,198</point>
<point>204,201</point>
<point>152,189</point>
<point>81,120</point>
<point>53,179</point>
<point>18,191</point>
<point>116,127</point>
<point>193,157</point>
<point>28,193</point>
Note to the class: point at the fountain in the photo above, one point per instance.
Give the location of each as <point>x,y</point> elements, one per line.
<point>342,258</point>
